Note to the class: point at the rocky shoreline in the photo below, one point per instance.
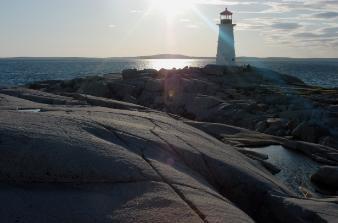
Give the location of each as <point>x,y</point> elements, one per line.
<point>166,146</point>
<point>248,97</point>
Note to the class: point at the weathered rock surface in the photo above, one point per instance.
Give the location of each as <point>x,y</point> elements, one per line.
<point>247,97</point>
<point>240,137</point>
<point>327,177</point>
<point>309,132</point>
<point>118,162</point>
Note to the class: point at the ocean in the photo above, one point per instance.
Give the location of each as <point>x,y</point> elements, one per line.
<point>19,71</point>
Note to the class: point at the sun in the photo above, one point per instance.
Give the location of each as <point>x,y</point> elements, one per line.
<point>171,8</point>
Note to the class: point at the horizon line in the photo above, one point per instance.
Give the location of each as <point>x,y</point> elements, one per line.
<point>171,56</point>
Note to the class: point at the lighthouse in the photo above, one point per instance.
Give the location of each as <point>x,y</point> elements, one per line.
<point>226,42</point>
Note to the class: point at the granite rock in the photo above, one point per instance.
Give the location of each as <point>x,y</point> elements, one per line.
<point>98,161</point>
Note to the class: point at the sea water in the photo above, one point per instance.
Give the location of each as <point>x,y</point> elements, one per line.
<point>19,71</point>
<point>296,168</point>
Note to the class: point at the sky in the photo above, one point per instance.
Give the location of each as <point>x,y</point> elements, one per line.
<point>121,28</point>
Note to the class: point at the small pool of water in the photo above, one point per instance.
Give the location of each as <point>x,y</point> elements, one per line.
<point>30,110</point>
<point>296,169</point>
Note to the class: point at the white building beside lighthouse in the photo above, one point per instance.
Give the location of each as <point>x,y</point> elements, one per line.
<point>226,42</point>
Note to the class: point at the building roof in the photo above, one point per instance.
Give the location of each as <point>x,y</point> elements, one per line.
<point>226,12</point>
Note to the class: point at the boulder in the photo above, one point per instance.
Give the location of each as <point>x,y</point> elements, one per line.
<point>276,126</point>
<point>261,126</point>
<point>173,89</point>
<point>203,106</point>
<point>312,210</point>
<point>211,69</point>
<point>333,156</point>
<point>329,141</point>
<point>327,176</point>
<point>98,88</point>
<point>309,132</point>
<point>333,108</point>
<point>270,167</point>
<point>194,86</point>
<point>154,85</point>
<point>146,98</point>
<point>131,74</point>
<point>253,154</point>
<point>153,72</point>
<point>121,90</point>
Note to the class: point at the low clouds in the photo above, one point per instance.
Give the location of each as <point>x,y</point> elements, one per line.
<point>292,23</point>
<point>286,25</point>
<point>326,15</point>
<point>222,2</point>
<point>306,35</point>
<point>296,23</point>
<point>305,5</point>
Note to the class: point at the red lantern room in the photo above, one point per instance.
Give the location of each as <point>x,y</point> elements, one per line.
<point>226,17</point>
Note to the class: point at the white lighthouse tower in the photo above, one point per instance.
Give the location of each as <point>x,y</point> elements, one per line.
<point>226,42</point>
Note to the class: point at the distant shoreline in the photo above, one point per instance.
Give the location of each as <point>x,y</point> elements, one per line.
<point>164,56</point>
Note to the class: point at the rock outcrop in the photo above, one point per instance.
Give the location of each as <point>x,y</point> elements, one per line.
<point>248,97</point>
<point>327,178</point>
<point>79,158</point>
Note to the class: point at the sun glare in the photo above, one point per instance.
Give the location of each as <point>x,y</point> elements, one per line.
<point>171,8</point>
<point>169,63</point>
